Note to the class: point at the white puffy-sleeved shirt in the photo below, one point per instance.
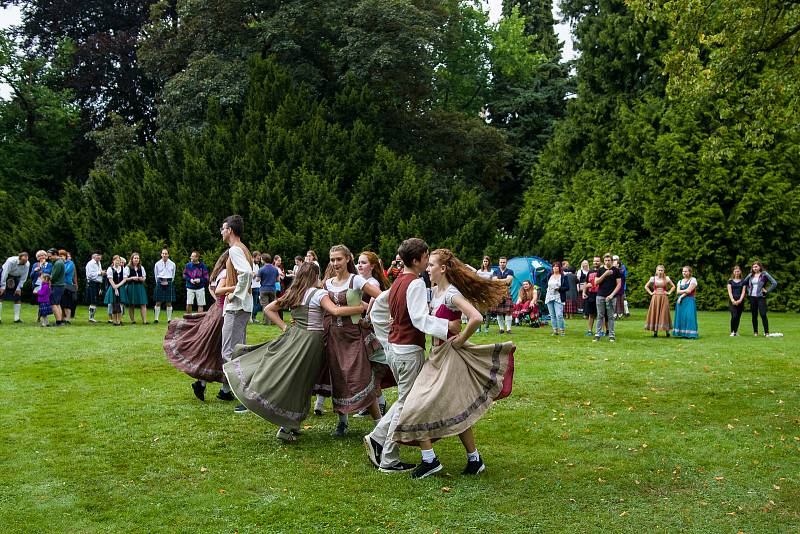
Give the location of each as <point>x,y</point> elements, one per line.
<point>241,298</point>
<point>164,269</point>
<point>12,268</point>
<point>94,271</point>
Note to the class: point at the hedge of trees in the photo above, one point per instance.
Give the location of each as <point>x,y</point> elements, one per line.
<point>672,138</point>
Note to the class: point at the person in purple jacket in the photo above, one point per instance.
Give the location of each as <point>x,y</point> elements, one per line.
<point>195,274</point>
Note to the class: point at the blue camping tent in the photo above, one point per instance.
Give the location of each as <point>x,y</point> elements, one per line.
<point>531,268</point>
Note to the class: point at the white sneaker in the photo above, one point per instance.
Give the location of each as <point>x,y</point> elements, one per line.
<point>733,334</point>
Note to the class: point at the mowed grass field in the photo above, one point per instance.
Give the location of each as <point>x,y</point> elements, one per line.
<point>99,433</point>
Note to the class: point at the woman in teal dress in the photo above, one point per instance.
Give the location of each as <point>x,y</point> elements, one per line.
<point>275,379</point>
<point>685,308</point>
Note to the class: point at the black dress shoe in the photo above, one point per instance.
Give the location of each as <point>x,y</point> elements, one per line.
<point>226,396</point>
<point>199,390</point>
<point>341,430</point>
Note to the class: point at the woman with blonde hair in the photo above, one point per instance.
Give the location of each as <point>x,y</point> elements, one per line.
<point>274,379</point>
<point>459,381</point>
<point>658,315</point>
<point>351,377</point>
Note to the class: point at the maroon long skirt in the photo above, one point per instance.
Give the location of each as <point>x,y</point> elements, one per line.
<point>194,344</point>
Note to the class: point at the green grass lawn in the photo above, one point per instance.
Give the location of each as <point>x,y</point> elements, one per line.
<point>99,433</point>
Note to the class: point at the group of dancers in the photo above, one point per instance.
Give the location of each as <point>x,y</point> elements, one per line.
<point>350,336</point>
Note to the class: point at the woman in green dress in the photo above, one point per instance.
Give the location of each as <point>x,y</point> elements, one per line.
<point>136,296</point>
<point>275,379</point>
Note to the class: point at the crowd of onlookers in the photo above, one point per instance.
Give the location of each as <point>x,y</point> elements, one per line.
<point>597,291</point>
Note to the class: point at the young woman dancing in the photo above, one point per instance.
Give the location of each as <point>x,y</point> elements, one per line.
<point>458,382</point>
<point>274,379</point>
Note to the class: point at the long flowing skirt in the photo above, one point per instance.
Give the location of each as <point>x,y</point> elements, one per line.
<point>274,379</point>
<point>685,319</point>
<point>658,314</point>
<point>453,390</point>
<point>351,376</point>
<point>194,344</point>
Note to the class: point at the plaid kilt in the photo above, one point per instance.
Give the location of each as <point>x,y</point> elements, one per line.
<point>504,308</point>
<point>164,293</point>
<point>94,293</point>
<point>570,307</point>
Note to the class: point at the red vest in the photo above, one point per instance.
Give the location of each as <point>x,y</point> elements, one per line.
<point>402,330</point>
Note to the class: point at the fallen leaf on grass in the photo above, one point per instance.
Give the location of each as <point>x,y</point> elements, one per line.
<point>601,480</point>
<point>155,439</point>
<point>221,491</point>
<point>730,426</point>
<point>307,427</point>
<point>203,469</point>
<point>719,478</point>
<point>624,514</point>
<point>776,487</point>
<point>731,513</point>
<point>446,489</point>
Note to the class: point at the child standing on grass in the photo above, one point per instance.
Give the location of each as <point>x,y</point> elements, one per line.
<point>43,298</point>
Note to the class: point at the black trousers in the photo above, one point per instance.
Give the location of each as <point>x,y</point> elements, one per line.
<point>736,315</point>
<point>758,306</point>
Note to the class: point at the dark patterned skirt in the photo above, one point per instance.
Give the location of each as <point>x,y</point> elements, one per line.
<point>504,308</point>
<point>45,309</point>
<point>570,307</point>
<point>94,291</point>
<point>164,293</point>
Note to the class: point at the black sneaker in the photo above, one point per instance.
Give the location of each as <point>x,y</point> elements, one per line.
<point>17,321</point>
<point>612,339</point>
<point>241,409</point>
<point>226,396</point>
<point>341,430</point>
<point>473,467</point>
<point>374,451</point>
<point>199,390</point>
<point>155,322</point>
<point>425,469</point>
<point>318,411</point>
<point>383,409</point>
<point>399,467</point>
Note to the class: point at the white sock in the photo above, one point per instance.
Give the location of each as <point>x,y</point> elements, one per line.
<point>508,323</point>
<point>92,309</point>
<point>169,313</point>
<point>1,309</point>
<point>428,456</point>
<point>225,388</point>
<point>319,403</point>
<point>473,456</point>
<point>157,309</point>
<point>500,322</point>
<point>381,400</point>
<point>17,309</point>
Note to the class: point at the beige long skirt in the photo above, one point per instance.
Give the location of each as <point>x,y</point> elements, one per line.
<point>453,391</point>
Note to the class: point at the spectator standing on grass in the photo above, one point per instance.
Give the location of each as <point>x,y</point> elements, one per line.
<point>620,304</point>
<point>590,295</point>
<point>583,274</point>
<point>255,286</point>
<point>70,299</point>
<point>57,283</point>
<point>116,281</point>
<point>756,283</point>
<point>268,274</point>
<point>557,287</point>
<point>12,277</point>
<point>609,284</point>
<point>134,288</point>
<point>685,308</point>
<point>195,274</point>
<point>43,298</point>
<point>41,266</point>
<point>94,284</point>
<point>658,315</point>
<point>504,308</point>
<point>736,294</point>
<point>164,274</point>
<point>571,296</point>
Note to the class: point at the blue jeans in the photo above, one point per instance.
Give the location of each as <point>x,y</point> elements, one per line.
<point>556,310</point>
